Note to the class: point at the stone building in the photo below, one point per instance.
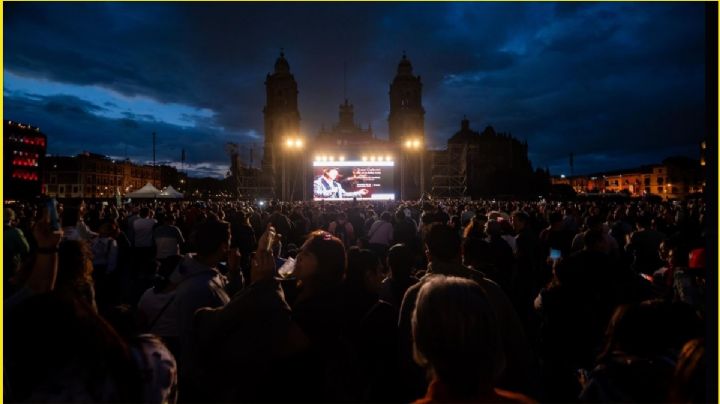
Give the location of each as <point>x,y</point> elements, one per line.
<point>482,164</point>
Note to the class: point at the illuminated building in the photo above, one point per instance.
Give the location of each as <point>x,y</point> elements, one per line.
<point>288,153</point>
<point>406,124</point>
<point>282,119</point>
<point>24,155</point>
<point>675,178</point>
<point>90,175</point>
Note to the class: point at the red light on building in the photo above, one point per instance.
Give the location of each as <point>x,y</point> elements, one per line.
<point>23,156</point>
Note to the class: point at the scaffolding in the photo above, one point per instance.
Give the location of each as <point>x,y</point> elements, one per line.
<point>249,183</point>
<point>449,173</point>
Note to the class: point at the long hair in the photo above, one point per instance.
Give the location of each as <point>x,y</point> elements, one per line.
<point>456,335</point>
<point>74,263</point>
<point>690,381</point>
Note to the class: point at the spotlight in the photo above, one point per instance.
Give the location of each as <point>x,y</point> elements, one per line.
<point>289,142</point>
<point>298,143</point>
<point>388,158</point>
<point>364,158</point>
<point>372,158</point>
<point>332,158</point>
<point>408,143</point>
<point>342,158</point>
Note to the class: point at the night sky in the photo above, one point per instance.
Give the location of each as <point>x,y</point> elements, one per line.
<point>618,84</point>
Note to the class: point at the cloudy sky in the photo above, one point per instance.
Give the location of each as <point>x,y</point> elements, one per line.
<point>617,84</point>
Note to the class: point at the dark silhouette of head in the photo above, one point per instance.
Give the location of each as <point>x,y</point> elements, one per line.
<point>443,243</point>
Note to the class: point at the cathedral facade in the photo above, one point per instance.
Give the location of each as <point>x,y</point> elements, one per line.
<point>474,164</point>
<point>285,167</point>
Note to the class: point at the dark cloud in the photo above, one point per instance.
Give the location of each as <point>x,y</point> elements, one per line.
<point>621,83</point>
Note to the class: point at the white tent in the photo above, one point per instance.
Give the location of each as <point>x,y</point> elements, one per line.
<point>148,191</point>
<point>170,193</point>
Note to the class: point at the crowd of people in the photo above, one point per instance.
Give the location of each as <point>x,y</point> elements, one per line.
<point>400,301</point>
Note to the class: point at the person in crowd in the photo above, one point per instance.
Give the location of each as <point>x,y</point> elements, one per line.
<point>476,227</point>
<point>466,216</point>
<point>476,255</point>
<point>643,244</point>
<point>356,217</point>
<point>323,331</point>
<point>405,230</point>
<point>168,238</point>
<point>443,252</point>
<point>400,262</point>
<point>301,226</point>
<point>303,339</point>
<point>638,361</point>
<point>50,321</point>
<point>153,309</point>
<point>143,230</point>
<point>243,238</point>
<point>690,284</point>
<point>199,284</point>
<point>574,311</point>
<point>528,258</point>
<point>501,256</point>
<point>73,225</point>
<point>361,283</point>
<point>380,235</point>
<point>244,348</point>
<point>689,383</point>
<point>595,223</point>
<point>320,268</point>
<point>556,236</point>
<point>75,273</point>
<point>144,265</point>
<point>457,339</point>
<point>63,351</point>
<point>154,362</point>
<point>105,251</point>
<point>507,233</point>
<point>370,325</point>
<point>674,259</point>
<point>343,229</point>
<point>15,248</point>
<point>281,223</point>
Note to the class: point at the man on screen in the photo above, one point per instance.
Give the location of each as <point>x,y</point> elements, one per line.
<point>326,186</point>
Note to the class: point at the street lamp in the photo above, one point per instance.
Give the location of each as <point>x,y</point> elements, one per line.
<point>412,144</point>
<point>293,144</point>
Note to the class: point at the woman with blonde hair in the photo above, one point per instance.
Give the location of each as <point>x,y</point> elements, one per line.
<point>457,340</point>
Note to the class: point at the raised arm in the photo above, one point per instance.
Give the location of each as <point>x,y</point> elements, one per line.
<point>44,272</point>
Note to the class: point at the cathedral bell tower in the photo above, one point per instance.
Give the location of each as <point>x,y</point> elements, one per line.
<point>282,119</point>
<point>407,115</point>
<point>407,121</point>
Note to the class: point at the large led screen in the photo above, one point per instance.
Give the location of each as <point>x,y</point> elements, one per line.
<point>348,180</point>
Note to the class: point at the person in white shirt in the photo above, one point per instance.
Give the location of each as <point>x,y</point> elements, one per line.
<point>381,235</point>
<point>143,229</point>
<point>326,186</point>
<point>74,228</point>
<point>168,238</point>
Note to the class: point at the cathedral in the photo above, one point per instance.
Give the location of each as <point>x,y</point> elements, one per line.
<point>474,164</point>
